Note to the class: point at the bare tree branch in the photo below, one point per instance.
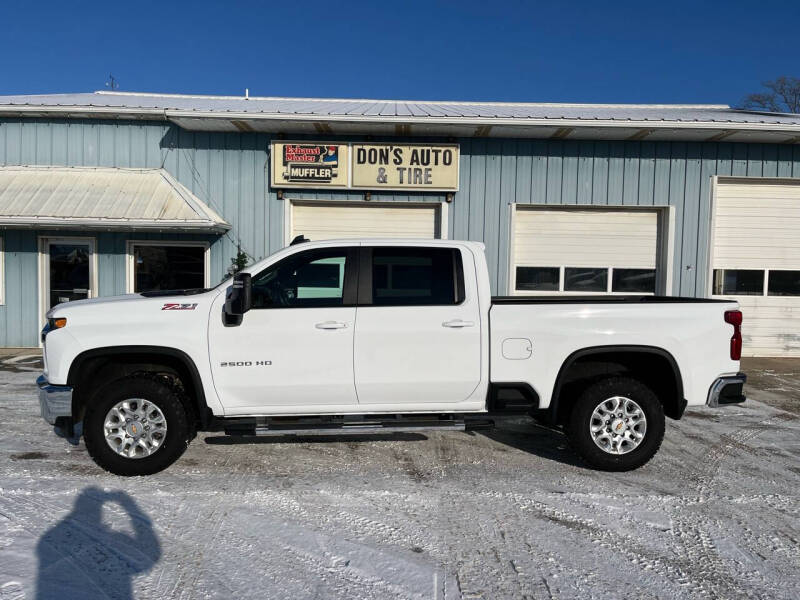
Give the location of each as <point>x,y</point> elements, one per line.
<point>783,95</point>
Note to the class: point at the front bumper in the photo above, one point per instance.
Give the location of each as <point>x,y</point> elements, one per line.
<point>54,400</point>
<point>727,390</point>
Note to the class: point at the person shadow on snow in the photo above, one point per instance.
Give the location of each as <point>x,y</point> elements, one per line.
<point>84,557</point>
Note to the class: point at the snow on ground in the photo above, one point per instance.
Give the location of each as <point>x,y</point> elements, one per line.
<point>507,514</point>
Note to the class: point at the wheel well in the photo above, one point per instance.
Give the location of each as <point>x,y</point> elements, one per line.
<point>654,367</point>
<point>95,368</point>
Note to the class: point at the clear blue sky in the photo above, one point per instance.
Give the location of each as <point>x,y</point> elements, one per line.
<point>470,50</point>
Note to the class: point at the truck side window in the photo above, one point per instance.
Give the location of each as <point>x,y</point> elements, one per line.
<point>406,276</point>
<point>307,279</point>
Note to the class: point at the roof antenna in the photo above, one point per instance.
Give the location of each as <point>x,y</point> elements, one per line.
<point>112,83</point>
<point>246,94</point>
<point>300,239</point>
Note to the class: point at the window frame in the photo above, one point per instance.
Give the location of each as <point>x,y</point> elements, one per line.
<point>349,286</point>
<point>767,279</point>
<point>130,270</point>
<point>365,276</point>
<point>561,281</point>
<point>764,290</point>
<point>764,282</point>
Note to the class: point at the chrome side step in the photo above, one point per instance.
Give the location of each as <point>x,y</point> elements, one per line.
<point>306,427</point>
<point>358,429</point>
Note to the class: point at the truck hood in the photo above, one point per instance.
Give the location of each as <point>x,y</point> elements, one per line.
<point>104,300</point>
<point>164,297</point>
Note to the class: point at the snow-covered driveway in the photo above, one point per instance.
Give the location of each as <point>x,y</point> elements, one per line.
<point>507,514</point>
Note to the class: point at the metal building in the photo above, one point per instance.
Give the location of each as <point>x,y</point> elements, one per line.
<point>108,193</point>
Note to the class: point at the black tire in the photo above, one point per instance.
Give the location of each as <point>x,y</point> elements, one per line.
<point>157,390</point>
<point>581,415</point>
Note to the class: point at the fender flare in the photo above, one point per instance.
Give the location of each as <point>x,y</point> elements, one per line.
<point>583,352</point>
<point>197,382</point>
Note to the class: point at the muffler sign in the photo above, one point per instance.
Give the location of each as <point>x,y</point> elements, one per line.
<point>429,167</point>
<point>309,165</point>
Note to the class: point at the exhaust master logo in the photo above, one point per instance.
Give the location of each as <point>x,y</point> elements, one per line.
<point>317,163</point>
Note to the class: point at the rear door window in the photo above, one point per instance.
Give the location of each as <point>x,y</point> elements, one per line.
<point>406,276</point>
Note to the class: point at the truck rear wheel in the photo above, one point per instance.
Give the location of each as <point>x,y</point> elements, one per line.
<point>617,424</point>
<point>136,426</point>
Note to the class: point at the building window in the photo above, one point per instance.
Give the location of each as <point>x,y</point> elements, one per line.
<point>168,266</point>
<point>638,281</point>
<point>784,283</point>
<point>586,280</point>
<point>739,282</point>
<point>538,279</point>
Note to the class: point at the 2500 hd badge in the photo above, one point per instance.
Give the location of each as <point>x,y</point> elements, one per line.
<point>246,363</point>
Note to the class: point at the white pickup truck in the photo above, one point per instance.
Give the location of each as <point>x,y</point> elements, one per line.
<point>379,335</point>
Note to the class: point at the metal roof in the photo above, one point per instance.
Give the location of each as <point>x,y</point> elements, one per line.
<point>403,117</point>
<point>101,198</point>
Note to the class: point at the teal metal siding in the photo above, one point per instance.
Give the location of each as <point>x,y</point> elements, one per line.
<point>605,173</point>
<point>229,171</point>
<point>19,315</point>
<point>19,324</point>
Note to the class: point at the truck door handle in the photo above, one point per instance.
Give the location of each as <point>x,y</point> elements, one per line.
<point>331,325</point>
<point>456,323</point>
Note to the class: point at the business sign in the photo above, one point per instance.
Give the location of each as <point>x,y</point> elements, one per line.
<point>309,165</point>
<point>368,166</point>
<point>405,167</point>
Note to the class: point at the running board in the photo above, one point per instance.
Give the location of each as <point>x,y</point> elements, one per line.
<point>365,427</point>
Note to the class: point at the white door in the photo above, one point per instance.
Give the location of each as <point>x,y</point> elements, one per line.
<point>418,335</point>
<point>294,348</point>
<point>584,251</point>
<point>67,267</point>
<point>337,220</point>
<point>756,261</point>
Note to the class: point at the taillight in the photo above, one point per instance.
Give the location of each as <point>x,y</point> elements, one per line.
<point>734,317</point>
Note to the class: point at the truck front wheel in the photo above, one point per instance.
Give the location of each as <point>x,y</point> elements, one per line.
<point>136,425</point>
<point>617,424</point>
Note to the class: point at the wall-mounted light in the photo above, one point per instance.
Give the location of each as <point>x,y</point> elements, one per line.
<point>279,193</point>
<point>449,196</point>
<point>367,196</point>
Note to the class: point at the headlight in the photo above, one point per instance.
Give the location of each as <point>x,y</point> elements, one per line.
<point>53,324</point>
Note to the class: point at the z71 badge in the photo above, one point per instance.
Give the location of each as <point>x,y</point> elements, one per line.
<point>170,306</point>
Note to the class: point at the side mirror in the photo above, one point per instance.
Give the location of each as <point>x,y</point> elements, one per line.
<point>239,299</point>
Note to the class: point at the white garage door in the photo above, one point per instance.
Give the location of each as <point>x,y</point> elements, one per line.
<point>756,261</point>
<point>332,220</point>
<point>594,251</point>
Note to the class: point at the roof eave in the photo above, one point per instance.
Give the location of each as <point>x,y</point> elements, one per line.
<point>113,224</point>
<point>478,121</point>
<point>78,112</point>
<point>366,121</point>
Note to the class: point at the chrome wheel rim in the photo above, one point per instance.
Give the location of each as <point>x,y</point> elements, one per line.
<point>618,425</point>
<point>135,428</point>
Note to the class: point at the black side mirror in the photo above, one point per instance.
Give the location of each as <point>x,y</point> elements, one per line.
<point>239,299</point>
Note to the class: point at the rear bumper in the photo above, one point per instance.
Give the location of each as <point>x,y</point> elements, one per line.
<point>54,400</point>
<point>727,390</point>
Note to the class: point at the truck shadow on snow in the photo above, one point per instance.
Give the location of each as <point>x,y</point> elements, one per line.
<point>523,433</point>
<point>84,556</point>
<point>520,433</point>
